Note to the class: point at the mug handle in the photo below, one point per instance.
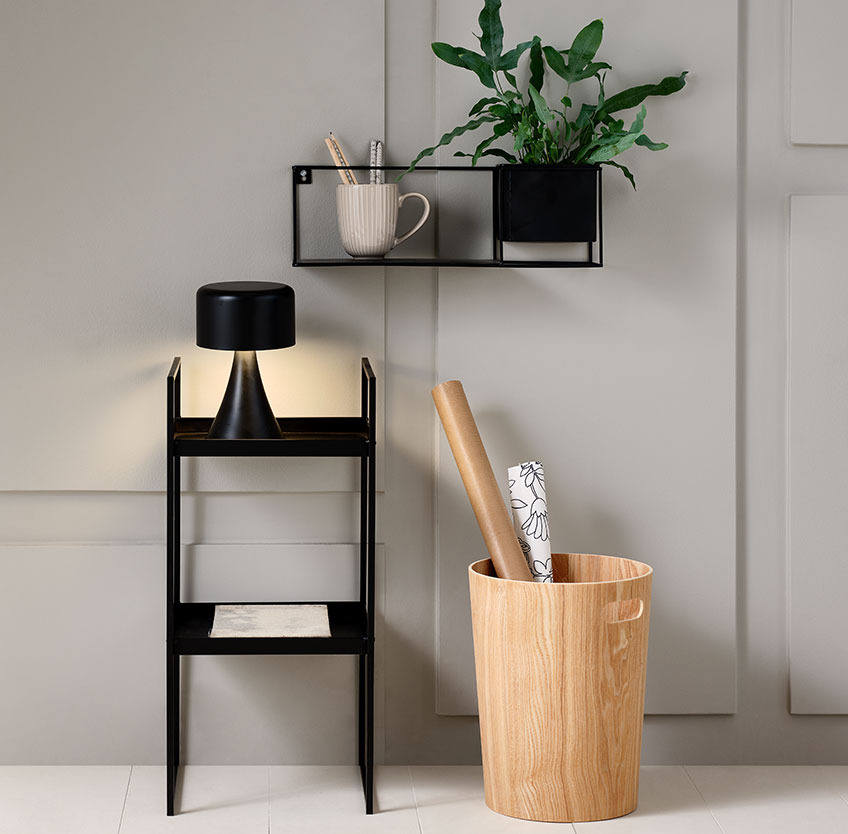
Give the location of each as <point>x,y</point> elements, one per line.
<point>421,221</point>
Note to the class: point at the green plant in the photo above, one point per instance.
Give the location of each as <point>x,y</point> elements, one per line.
<point>543,134</point>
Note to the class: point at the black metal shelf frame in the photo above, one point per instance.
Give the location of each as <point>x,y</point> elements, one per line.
<point>351,621</point>
<point>302,176</point>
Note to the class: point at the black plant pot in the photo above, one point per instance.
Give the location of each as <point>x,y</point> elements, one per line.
<point>547,203</point>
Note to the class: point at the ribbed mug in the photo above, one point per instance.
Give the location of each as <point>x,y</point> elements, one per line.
<point>368,215</point>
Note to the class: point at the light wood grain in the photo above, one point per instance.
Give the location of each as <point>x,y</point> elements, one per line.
<point>561,687</point>
<point>479,481</point>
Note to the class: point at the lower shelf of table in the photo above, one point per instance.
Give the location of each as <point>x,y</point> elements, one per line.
<point>348,632</point>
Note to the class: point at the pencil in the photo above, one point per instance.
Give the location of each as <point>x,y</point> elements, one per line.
<point>343,159</point>
<point>344,174</point>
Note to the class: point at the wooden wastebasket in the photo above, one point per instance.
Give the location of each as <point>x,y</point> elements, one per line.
<point>561,687</point>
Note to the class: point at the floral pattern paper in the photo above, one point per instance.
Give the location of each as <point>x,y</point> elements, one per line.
<point>528,500</point>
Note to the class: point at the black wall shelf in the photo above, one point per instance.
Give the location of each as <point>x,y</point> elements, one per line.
<point>302,176</point>
<point>351,621</point>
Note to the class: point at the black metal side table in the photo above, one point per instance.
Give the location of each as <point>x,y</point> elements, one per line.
<point>351,622</point>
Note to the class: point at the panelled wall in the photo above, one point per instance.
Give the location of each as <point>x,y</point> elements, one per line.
<point>688,399</point>
<point>817,465</point>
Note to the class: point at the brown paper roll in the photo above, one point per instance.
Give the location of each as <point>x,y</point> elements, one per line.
<point>479,481</point>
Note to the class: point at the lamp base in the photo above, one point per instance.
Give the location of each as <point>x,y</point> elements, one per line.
<point>245,412</point>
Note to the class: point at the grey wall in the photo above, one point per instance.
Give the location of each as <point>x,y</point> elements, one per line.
<point>145,151</point>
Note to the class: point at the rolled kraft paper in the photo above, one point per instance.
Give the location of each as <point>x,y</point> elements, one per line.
<point>479,481</point>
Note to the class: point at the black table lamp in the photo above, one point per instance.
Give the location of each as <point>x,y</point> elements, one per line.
<point>245,316</point>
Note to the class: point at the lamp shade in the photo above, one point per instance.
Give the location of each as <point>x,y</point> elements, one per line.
<point>245,315</point>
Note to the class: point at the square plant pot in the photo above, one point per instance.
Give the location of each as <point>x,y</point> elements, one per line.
<point>547,203</point>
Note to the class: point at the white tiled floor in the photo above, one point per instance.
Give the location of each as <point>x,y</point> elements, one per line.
<point>410,800</point>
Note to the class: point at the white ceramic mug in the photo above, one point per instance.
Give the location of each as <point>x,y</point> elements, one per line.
<point>368,216</point>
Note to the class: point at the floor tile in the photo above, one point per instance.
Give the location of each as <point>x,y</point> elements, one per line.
<point>62,800</point>
<point>450,801</point>
<point>668,804</point>
<point>771,800</point>
<point>328,799</point>
<point>209,800</point>
<point>836,777</point>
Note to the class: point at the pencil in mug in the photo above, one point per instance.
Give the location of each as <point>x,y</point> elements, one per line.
<point>344,174</point>
<point>340,159</point>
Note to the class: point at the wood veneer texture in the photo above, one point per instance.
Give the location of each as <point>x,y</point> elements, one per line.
<point>479,481</point>
<point>561,687</point>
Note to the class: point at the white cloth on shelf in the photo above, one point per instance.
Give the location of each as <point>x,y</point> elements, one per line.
<point>270,621</point>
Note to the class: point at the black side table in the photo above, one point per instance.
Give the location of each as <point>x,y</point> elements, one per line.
<point>351,622</point>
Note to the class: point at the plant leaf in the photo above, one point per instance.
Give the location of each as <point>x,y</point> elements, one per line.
<point>459,56</point>
<point>639,121</point>
<point>566,71</point>
<point>511,78</point>
<point>447,138</point>
<point>624,170</point>
<point>509,60</point>
<point>500,153</point>
<point>556,62</point>
<point>618,142</point>
<point>593,68</point>
<point>522,133</point>
<point>480,66</point>
<point>542,109</point>
<point>585,45</point>
<point>636,95</point>
<point>537,66</point>
<point>611,123</point>
<point>585,115</point>
<point>491,152</point>
<point>482,147</point>
<point>490,24</point>
<point>479,151</point>
<point>606,152</point>
<point>449,54</point>
<point>651,146</point>
<point>481,104</point>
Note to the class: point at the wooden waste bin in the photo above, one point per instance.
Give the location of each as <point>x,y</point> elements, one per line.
<point>561,687</point>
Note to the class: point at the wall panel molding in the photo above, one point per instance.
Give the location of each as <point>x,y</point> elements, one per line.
<point>818,115</point>
<point>817,483</point>
<point>216,517</point>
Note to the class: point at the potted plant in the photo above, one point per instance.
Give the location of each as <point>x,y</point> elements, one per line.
<point>548,189</point>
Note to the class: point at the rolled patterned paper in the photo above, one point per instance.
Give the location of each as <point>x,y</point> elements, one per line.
<point>479,481</point>
<point>529,503</point>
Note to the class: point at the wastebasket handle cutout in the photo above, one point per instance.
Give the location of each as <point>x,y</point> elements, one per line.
<point>623,610</point>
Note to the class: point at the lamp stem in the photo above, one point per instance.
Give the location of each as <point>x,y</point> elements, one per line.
<point>245,412</point>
